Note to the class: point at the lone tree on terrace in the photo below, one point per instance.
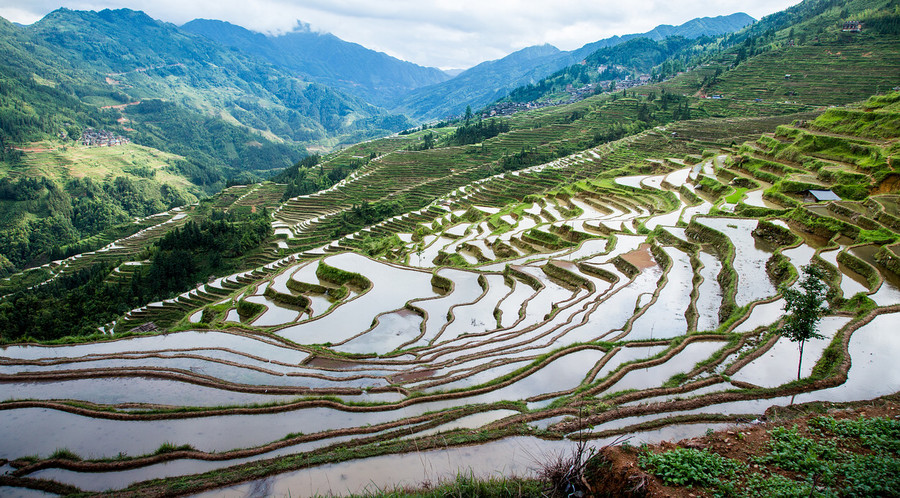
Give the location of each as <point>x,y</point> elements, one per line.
<point>805,307</point>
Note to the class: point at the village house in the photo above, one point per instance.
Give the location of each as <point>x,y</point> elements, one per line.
<point>101,138</point>
<point>852,27</point>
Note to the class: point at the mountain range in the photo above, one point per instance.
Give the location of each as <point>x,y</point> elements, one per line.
<point>277,93</point>
<point>493,80</point>
<point>324,58</point>
<point>420,92</point>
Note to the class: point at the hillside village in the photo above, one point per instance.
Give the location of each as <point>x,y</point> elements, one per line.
<point>101,138</point>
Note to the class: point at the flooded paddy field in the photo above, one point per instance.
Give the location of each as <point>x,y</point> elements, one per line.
<point>485,345</point>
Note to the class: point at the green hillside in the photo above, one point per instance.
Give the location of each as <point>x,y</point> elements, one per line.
<point>432,162</point>
<point>392,176</point>
<point>668,247</point>
<point>800,54</point>
<point>322,57</point>
<point>58,198</point>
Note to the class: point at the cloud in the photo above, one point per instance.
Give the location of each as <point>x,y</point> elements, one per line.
<point>442,33</point>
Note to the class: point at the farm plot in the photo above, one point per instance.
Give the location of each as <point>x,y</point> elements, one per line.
<point>619,297</point>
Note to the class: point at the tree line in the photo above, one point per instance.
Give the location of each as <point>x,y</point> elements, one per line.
<point>79,302</point>
<point>41,217</point>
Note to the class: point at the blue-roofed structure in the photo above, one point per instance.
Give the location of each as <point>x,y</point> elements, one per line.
<point>823,195</point>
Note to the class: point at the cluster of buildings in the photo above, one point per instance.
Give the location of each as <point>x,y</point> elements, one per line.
<point>101,138</point>
<point>510,108</point>
<point>575,94</point>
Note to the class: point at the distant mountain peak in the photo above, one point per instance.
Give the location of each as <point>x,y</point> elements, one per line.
<point>301,27</point>
<point>544,49</point>
<point>491,80</point>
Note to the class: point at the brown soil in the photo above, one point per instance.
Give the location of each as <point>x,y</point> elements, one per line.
<point>890,184</point>
<point>34,149</point>
<point>323,362</point>
<point>616,471</point>
<point>565,265</point>
<point>640,257</point>
<point>412,376</point>
<point>120,106</point>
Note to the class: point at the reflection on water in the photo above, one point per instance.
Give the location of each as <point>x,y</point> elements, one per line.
<point>751,255</point>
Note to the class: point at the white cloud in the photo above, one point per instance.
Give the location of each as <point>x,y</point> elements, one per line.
<point>443,33</point>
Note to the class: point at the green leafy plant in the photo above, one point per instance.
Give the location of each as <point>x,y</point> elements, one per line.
<point>684,466</point>
<point>790,450</point>
<point>878,433</point>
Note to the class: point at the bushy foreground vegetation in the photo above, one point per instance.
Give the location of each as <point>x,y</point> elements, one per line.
<point>848,457</point>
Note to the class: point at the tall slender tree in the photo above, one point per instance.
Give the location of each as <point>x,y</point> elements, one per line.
<point>805,307</point>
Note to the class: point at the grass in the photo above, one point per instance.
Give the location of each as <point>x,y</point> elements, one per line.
<point>736,196</point>
<point>61,161</point>
<point>861,68</point>
<point>65,454</point>
<point>468,485</point>
<point>168,447</point>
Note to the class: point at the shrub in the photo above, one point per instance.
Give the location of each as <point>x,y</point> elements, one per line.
<point>247,309</point>
<point>65,454</point>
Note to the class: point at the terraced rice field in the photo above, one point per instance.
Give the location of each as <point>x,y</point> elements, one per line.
<point>512,315</point>
<point>804,73</point>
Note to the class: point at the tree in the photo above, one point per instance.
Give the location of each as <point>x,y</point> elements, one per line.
<point>428,141</point>
<point>468,116</point>
<point>805,307</point>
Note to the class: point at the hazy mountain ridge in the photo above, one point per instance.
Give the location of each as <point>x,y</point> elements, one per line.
<point>323,57</point>
<point>695,28</point>
<point>491,80</point>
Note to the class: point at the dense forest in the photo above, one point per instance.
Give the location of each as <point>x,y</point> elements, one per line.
<point>479,131</point>
<point>39,218</point>
<point>308,175</point>
<point>80,302</point>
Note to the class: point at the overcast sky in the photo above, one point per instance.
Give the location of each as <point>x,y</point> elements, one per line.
<point>441,33</point>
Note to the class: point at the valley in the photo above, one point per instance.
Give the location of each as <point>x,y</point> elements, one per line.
<point>466,299</point>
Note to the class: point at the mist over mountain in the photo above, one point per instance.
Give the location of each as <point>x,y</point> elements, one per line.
<point>324,58</point>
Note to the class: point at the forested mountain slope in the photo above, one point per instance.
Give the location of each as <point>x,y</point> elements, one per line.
<point>808,49</point>
<point>373,76</point>
<point>195,114</point>
<point>150,59</point>
<point>492,80</point>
